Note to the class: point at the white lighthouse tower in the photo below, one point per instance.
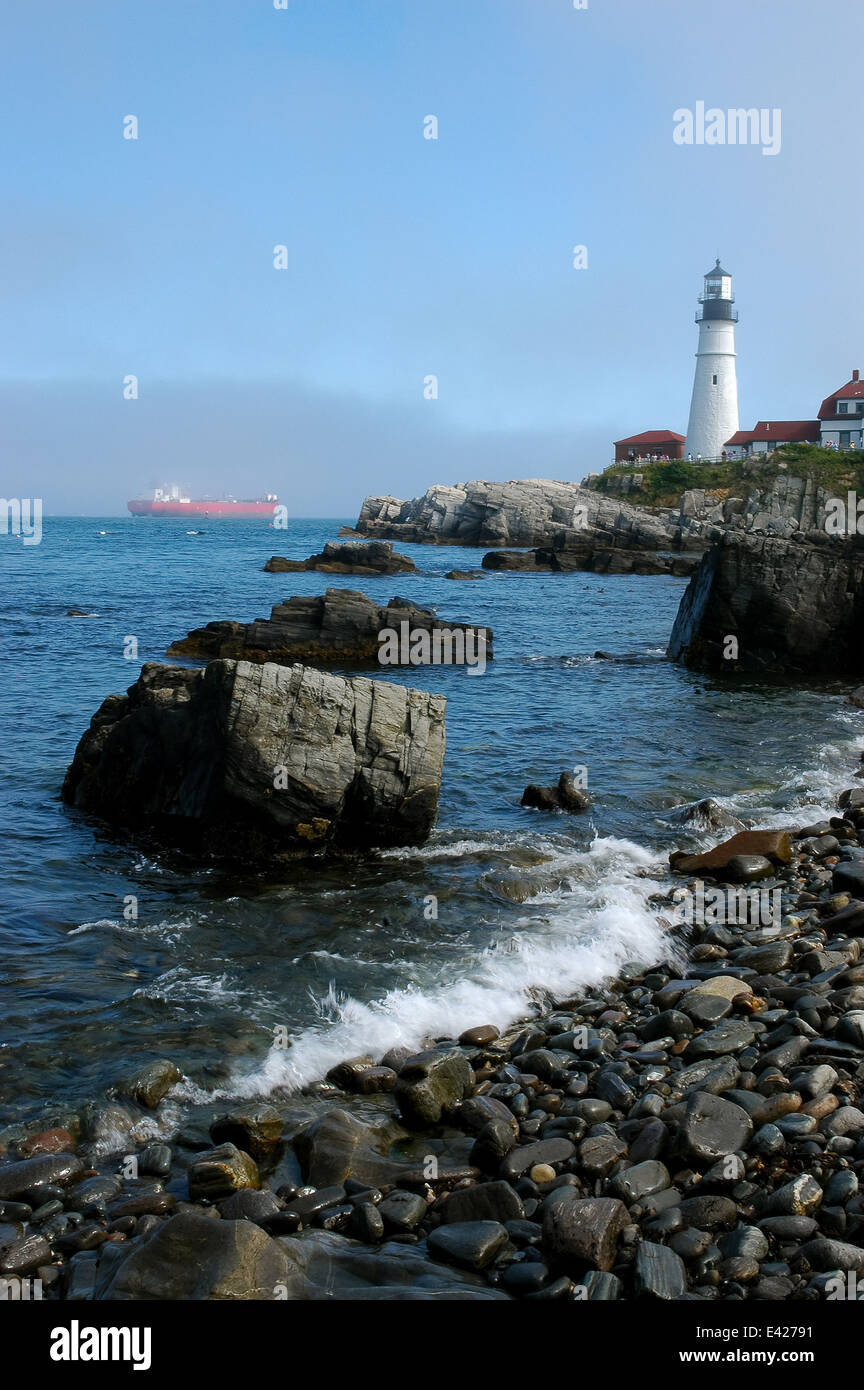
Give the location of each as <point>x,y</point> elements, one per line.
<point>714,403</point>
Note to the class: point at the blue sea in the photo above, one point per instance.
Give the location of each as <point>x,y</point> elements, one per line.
<point>345,960</point>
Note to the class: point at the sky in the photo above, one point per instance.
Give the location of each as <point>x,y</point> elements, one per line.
<point>406,258</point>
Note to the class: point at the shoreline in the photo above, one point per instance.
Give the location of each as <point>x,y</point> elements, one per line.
<point>655,1138</point>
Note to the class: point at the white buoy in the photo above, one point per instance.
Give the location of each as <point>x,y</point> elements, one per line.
<point>714,403</point>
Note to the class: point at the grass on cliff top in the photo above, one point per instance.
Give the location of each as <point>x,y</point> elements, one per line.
<point>663,483</point>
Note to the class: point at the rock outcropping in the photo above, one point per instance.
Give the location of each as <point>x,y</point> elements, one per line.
<point>534,512</point>
<point>341,628</point>
<point>595,561</point>
<point>351,557</point>
<point>761,604</point>
<point>263,761</point>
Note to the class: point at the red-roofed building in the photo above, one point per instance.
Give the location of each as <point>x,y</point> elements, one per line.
<point>841,417</point>
<point>770,434</point>
<point>651,444</point>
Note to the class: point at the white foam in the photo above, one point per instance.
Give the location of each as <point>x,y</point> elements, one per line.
<point>603,921</point>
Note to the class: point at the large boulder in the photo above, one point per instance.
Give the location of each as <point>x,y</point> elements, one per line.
<point>351,557</point>
<point>342,627</point>
<point>191,1257</point>
<point>792,606</point>
<point>251,760</point>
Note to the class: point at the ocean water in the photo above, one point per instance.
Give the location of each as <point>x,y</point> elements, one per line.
<point>344,957</point>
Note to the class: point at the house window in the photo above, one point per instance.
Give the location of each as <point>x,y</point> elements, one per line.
<point>842,407</point>
<point>844,439</point>
<point>714,380</point>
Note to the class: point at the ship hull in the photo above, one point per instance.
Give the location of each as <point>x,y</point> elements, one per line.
<point>141,507</point>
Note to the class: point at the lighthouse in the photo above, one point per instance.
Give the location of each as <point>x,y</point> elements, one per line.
<point>714,403</point>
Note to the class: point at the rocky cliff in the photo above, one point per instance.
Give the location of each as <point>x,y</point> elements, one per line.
<point>258,762</point>
<point>533,512</point>
<point>764,604</point>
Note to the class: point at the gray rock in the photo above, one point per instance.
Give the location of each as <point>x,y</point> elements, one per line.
<point>249,1205</point>
<point>192,1257</point>
<point>254,1128</point>
<point>153,1082</point>
<point>469,1245</point>
<point>795,607</point>
<point>849,878</point>
<point>341,628</point>
<point>799,1197</point>
<point>582,1230</point>
<point>642,1180</point>
<point>327,1266</point>
<point>221,1171</point>
<point>488,1201</point>
<point>712,1127</point>
<point>402,1210</point>
<point>534,512</point>
<point>24,1254</point>
<point>244,761</point>
<point>339,1146</point>
<point>431,1085</point>
<point>847,1120</point>
<point>659,1272</point>
<point>748,868</point>
<point>823,1254</point>
<point>729,1036</point>
<point>20,1177</point>
<point>523,1159</point>
<point>709,1212</point>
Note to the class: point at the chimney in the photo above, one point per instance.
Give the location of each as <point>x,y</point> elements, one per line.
<point>856,374</point>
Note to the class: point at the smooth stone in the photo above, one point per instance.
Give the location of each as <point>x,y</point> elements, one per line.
<point>469,1244</point>
<point>220,1171</point>
<point>713,1126</point>
<point>582,1230</point>
<point>659,1272</point>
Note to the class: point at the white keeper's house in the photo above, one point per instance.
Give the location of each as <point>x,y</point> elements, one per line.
<point>840,425</point>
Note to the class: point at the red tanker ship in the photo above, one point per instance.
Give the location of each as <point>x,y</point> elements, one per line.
<point>173,501</point>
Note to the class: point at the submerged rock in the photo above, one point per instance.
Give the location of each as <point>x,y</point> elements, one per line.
<point>253,761</point>
<point>352,557</point>
<point>596,559</point>
<point>566,795</point>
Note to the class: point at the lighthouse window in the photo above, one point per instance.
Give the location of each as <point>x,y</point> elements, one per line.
<point>714,380</point>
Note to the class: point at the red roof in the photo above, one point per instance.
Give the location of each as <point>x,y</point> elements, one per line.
<point>783,431</point>
<point>653,437</point>
<point>853,390</point>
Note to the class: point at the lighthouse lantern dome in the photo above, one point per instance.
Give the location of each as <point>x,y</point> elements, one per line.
<point>717,298</point>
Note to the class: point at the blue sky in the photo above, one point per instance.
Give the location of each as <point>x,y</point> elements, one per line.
<point>407,256</point>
